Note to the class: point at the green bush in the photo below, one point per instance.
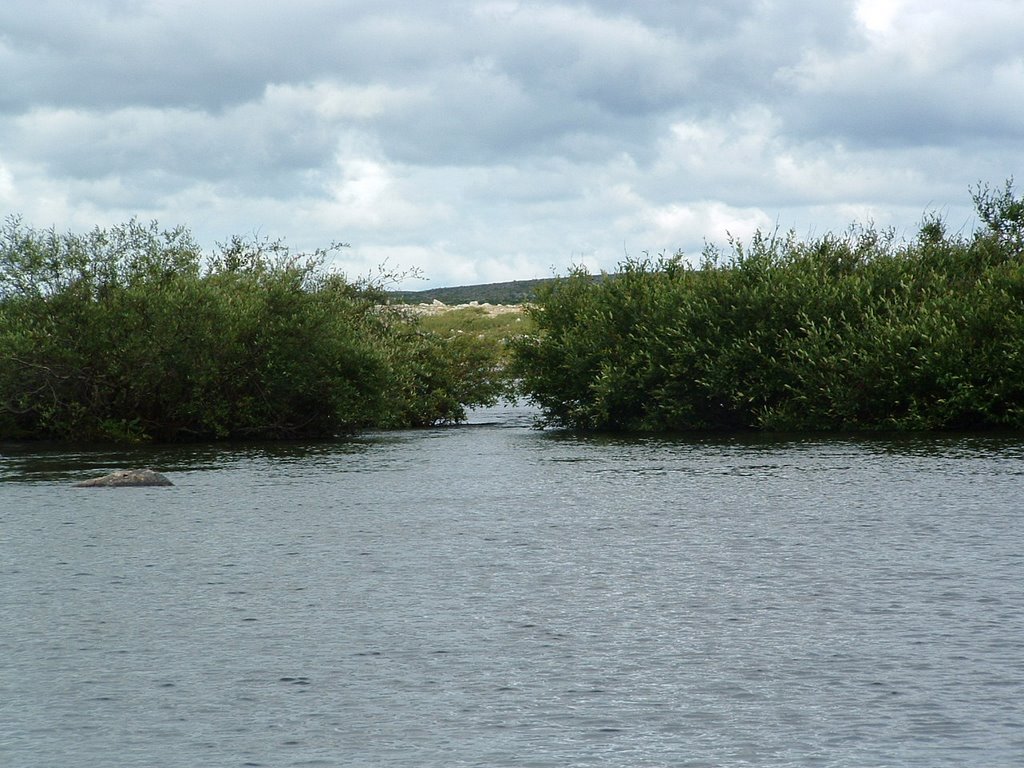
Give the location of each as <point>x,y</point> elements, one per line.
<point>844,332</point>
<point>132,333</point>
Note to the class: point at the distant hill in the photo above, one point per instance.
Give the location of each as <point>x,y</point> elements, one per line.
<point>515,292</point>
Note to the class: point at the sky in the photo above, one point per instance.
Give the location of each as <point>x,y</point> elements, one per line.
<point>477,142</point>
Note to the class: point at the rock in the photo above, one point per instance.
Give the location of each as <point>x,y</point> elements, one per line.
<point>126,478</point>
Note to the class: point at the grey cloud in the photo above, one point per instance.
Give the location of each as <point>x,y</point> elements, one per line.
<point>509,132</point>
<point>250,147</point>
<point>556,72</point>
<point>561,79</point>
<point>934,79</point>
<point>898,118</point>
<point>205,55</point>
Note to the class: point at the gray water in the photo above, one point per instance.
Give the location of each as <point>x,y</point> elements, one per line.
<point>493,595</point>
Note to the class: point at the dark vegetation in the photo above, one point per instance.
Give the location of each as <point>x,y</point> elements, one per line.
<point>515,292</point>
<point>133,333</point>
<point>854,331</point>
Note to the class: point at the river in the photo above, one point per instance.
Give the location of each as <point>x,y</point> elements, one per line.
<point>496,595</point>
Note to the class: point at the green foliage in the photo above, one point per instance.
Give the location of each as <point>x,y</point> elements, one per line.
<point>438,376</point>
<point>459,356</point>
<point>132,333</point>
<point>844,332</point>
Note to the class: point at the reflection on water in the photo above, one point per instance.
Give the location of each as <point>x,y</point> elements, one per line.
<point>496,595</point>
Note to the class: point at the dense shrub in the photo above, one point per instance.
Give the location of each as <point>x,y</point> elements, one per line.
<point>133,333</point>
<point>855,331</point>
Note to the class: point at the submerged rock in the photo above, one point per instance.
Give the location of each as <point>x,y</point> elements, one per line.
<point>126,478</point>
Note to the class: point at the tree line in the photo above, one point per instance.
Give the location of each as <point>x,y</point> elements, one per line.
<point>856,331</point>
<point>134,333</point>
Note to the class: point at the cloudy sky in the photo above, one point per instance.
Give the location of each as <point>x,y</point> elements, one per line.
<point>497,140</point>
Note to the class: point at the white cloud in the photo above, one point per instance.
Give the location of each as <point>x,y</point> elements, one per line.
<point>367,194</point>
<point>712,220</point>
<point>877,16</point>
<point>7,188</point>
<point>333,102</point>
<point>917,44</point>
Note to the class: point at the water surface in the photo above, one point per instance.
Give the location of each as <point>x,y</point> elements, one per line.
<point>494,595</point>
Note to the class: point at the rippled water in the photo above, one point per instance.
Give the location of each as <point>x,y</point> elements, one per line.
<point>492,595</point>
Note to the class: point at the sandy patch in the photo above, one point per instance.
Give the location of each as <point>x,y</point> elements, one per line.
<point>439,307</point>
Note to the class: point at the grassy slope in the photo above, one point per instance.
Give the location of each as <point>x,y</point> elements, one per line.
<point>475,321</point>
